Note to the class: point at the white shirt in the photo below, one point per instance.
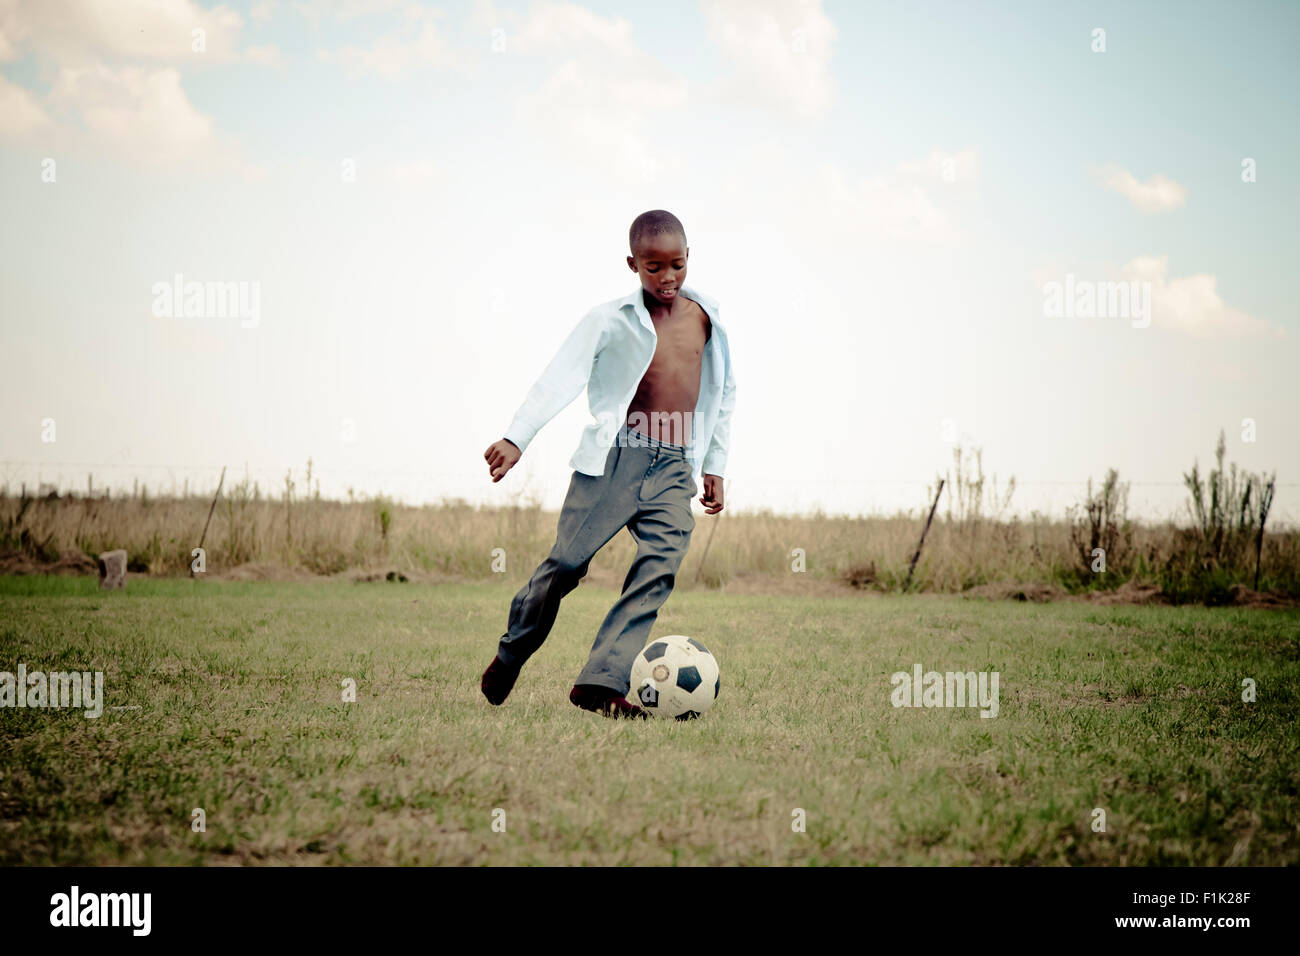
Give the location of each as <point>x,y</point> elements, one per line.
<point>608,353</point>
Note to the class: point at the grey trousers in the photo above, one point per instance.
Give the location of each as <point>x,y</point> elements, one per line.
<point>647,487</point>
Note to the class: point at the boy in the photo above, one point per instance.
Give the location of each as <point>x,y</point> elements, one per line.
<point>657,369</point>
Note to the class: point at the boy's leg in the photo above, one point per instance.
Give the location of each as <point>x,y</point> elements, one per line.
<point>595,509</point>
<point>662,527</point>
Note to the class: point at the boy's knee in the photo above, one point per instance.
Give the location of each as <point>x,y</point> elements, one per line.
<point>660,586</point>
<point>567,568</point>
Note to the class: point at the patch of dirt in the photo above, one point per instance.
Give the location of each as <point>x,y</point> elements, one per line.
<point>1243,596</point>
<point>15,562</point>
<point>267,571</point>
<point>393,576</point>
<point>1016,591</point>
<point>256,571</point>
<point>74,561</point>
<point>785,585</point>
<point>1140,592</point>
<point>69,561</point>
<point>369,577</point>
<point>1130,592</point>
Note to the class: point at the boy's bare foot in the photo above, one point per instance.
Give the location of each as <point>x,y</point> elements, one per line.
<point>603,701</point>
<point>498,680</point>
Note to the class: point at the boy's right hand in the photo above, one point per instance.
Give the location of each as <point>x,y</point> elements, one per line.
<point>501,457</point>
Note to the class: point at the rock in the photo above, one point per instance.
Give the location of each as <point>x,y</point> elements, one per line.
<point>112,569</point>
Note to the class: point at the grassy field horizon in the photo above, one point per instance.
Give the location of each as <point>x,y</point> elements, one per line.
<point>227,697</point>
<point>971,546</point>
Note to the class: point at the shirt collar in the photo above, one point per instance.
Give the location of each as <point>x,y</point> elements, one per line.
<point>637,300</point>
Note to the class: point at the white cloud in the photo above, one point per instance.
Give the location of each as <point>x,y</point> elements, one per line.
<point>142,114</point>
<point>598,106</point>
<point>20,114</point>
<point>110,77</point>
<point>267,55</point>
<point>834,206</point>
<point>1158,194</point>
<point>75,32</point>
<point>959,167</point>
<point>345,10</point>
<point>1192,305</point>
<point>420,42</point>
<point>571,30</point>
<point>880,208</point>
<point>603,115</point>
<point>780,53</point>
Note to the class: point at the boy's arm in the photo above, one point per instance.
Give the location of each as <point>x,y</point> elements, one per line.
<point>562,380</point>
<point>715,459</point>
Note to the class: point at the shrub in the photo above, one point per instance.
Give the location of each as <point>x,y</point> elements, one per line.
<point>1101,522</point>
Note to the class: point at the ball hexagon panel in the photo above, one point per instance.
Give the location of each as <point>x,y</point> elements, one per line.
<point>676,676</point>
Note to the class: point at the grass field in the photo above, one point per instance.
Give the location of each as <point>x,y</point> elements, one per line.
<point>1135,710</point>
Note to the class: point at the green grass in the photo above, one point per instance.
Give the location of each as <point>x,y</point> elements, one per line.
<point>1136,710</point>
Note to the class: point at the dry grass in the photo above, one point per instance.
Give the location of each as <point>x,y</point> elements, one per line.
<point>253,536</point>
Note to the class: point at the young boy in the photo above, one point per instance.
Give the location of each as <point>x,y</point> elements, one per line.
<point>657,370</point>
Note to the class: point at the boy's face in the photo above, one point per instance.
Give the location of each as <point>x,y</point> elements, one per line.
<point>660,261</point>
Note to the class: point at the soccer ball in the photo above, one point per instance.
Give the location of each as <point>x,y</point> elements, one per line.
<point>676,676</point>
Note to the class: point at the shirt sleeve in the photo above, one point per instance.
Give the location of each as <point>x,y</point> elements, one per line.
<point>715,459</point>
<point>561,381</point>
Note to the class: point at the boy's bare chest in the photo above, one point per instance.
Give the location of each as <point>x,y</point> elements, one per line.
<point>671,383</point>
<point>681,338</point>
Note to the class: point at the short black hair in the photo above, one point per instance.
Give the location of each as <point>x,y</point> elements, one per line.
<point>656,222</point>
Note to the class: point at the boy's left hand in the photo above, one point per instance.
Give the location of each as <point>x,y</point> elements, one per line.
<point>712,497</point>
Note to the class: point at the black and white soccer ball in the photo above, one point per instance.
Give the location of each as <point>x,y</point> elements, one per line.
<point>676,676</point>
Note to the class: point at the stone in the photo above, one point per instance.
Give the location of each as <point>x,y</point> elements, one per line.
<point>112,569</point>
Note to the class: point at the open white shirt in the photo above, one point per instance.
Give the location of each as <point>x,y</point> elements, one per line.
<point>608,353</point>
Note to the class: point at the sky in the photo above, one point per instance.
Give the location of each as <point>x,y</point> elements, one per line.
<point>419,201</point>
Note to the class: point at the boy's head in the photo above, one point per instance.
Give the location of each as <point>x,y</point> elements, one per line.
<point>659,253</point>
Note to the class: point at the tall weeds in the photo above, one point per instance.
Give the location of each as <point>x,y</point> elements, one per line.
<point>975,542</point>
